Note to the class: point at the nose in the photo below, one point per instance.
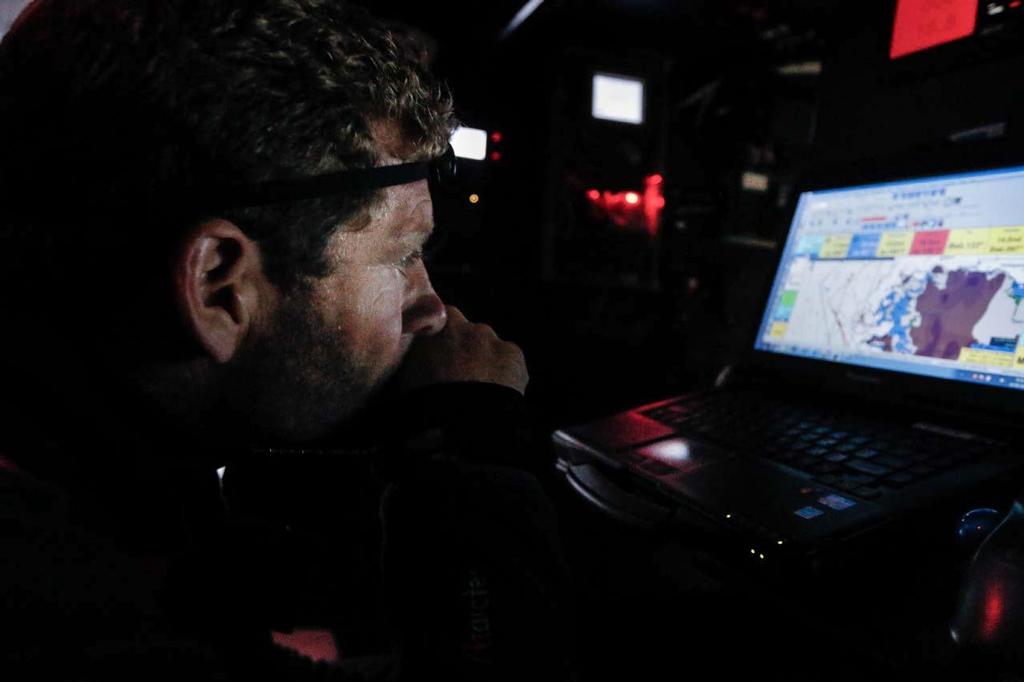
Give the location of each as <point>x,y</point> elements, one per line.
<point>424,313</point>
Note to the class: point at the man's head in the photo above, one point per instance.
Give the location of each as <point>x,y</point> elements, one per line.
<point>284,317</point>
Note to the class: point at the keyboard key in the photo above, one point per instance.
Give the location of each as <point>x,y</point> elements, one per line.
<point>868,468</point>
<point>868,493</point>
<point>898,480</point>
<point>921,470</point>
<point>893,462</point>
<point>827,479</point>
<point>836,457</point>
<point>852,482</point>
<point>866,453</point>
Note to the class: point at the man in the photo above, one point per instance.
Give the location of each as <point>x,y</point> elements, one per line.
<point>214,220</point>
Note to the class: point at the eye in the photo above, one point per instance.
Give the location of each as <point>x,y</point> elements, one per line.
<point>410,260</point>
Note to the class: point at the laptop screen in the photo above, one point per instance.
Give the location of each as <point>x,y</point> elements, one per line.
<point>923,276</point>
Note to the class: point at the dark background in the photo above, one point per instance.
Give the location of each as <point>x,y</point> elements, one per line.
<point>611,317</point>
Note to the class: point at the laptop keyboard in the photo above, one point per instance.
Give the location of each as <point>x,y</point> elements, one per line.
<point>849,453</point>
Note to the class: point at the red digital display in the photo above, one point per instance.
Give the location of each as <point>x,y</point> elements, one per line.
<point>921,24</point>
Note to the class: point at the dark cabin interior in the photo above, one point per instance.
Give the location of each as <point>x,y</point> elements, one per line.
<point>632,262</point>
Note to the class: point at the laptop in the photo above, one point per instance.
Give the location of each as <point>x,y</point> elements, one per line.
<point>885,375</point>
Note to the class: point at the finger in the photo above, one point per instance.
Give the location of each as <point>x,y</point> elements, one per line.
<point>454,314</point>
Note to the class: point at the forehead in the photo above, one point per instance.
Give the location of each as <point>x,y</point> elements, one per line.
<point>406,210</point>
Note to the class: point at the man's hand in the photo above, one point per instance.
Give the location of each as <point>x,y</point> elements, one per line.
<point>463,351</point>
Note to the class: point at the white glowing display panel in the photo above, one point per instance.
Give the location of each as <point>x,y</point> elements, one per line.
<point>618,98</point>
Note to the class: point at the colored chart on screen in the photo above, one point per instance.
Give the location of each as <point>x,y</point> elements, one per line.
<point>923,276</point>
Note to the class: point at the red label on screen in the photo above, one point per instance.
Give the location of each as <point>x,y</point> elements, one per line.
<point>921,24</point>
<point>930,243</point>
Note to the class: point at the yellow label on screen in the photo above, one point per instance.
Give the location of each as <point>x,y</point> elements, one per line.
<point>990,358</point>
<point>1019,362</point>
<point>1006,240</point>
<point>895,244</point>
<point>969,242</point>
<point>778,330</point>
<point>836,246</point>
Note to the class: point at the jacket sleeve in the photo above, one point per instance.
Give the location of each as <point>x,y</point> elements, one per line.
<point>477,584</point>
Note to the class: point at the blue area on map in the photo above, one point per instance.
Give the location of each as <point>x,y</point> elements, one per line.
<point>1017,290</point>
<point>895,307</point>
<point>864,246</point>
<point>810,245</point>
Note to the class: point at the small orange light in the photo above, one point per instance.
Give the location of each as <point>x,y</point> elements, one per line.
<point>495,156</point>
<point>474,198</point>
<point>593,194</point>
<point>632,198</point>
<point>496,137</point>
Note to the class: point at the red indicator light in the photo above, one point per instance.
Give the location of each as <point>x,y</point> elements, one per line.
<point>496,137</point>
<point>630,210</point>
<point>654,202</point>
<point>495,156</point>
<point>1015,4</point>
<point>921,24</point>
<point>992,616</point>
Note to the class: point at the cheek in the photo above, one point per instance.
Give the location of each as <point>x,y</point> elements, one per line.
<point>380,312</point>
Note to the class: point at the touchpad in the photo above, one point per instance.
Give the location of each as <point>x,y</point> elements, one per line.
<point>681,455</point>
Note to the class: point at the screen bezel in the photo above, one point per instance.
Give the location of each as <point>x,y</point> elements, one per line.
<point>890,386</point>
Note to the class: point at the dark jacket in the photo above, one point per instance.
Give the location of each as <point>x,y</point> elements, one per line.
<point>122,558</point>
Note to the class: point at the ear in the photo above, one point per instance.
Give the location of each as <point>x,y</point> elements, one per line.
<point>218,284</point>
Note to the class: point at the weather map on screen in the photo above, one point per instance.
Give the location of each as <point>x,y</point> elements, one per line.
<point>924,276</point>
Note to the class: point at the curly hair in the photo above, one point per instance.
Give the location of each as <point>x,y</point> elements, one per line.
<point>102,100</point>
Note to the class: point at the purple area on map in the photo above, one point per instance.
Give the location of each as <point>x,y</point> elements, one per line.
<point>948,315</point>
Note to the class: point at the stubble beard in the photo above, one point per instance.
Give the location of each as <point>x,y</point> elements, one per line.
<point>296,382</point>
